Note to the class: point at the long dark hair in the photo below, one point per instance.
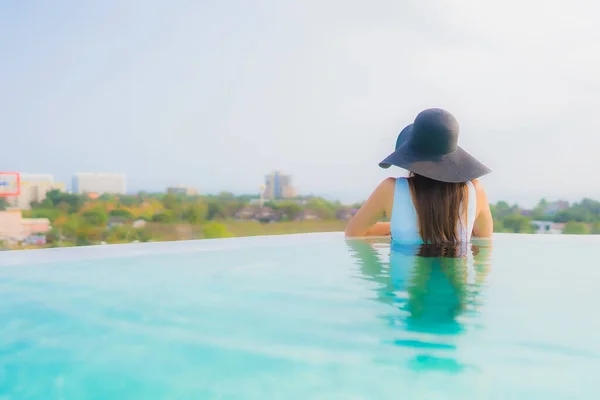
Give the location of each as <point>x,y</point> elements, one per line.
<point>439,210</point>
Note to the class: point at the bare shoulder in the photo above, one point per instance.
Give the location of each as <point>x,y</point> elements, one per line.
<point>484,222</point>
<point>383,194</point>
<point>364,222</point>
<point>388,183</point>
<point>479,189</point>
<point>386,187</point>
<point>482,199</point>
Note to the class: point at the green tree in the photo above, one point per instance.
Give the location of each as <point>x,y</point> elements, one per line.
<point>290,210</point>
<point>501,209</point>
<point>120,234</point>
<point>592,206</point>
<point>165,217</point>
<point>107,197</point>
<point>227,196</point>
<point>88,234</point>
<point>55,197</point>
<point>122,213</point>
<point>542,204</point>
<point>65,208</point>
<point>51,213</point>
<point>518,224</point>
<point>576,228</point>
<point>129,200</point>
<point>539,211</point>
<point>230,208</point>
<point>171,201</point>
<point>323,208</point>
<point>95,217</point>
<point>271,204</point>
<point>3,204</point>
<point>69,228</point>
<point>215,211</point>
<point>596,228</point>
<point>195,213</point>
<point>575,213</point>
<point>499,225</point>
<point>214,230</point>
<point>143,235</point>
<point>53,237</point>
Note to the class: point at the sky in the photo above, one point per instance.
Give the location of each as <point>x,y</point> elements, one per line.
<point>216,94</point>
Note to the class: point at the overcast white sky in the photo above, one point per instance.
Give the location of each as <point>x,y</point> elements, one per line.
<point>216,94</point>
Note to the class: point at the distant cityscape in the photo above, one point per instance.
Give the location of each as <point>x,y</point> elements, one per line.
<point>34,187</point>
<point>20,191</point>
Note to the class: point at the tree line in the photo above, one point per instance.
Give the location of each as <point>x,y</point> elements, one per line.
<point>581,217</point>
<point>78,219</point>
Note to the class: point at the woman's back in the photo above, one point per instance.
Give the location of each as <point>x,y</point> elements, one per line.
<point>404,224</point>
<point>441,202</point>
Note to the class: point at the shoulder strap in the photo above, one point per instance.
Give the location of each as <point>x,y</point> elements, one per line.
<point>402,198</point>
<point>403,224</point>
<point>471,209</point>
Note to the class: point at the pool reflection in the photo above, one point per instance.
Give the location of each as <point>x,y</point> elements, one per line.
<point>434,293</point>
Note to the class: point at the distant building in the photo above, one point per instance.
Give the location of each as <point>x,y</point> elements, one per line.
<point>35,226</point>
<point>345,214</point>
<point>278,186</point>
<point>558,227</point>
<point>548,227</point>
<point>139,224</point>
<point>37,240</point>
<point>11,228</point>
<point>182,189</point>
<point>34,188</point>
<point>9,183</point>
<point>99,183</point>
<point>246,212</point>
<point>308,215</point>
<point>15,228</point>
<point>262,214</point>
<point>113,222</point>
<point>267,214</point>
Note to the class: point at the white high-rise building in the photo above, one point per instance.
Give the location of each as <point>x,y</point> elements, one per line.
<point>278,186</point>
<point>99,183</point>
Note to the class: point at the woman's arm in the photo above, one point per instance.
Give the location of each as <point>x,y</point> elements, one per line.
<point>379,229</point>
<point>365,221</point>
<point>484,223</point>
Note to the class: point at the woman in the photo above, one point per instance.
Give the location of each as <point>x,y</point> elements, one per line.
<point>441,202</point>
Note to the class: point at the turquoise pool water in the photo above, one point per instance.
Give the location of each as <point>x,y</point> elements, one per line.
<point>301,317</point>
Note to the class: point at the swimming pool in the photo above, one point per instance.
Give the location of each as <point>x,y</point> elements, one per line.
<point>300,317</point>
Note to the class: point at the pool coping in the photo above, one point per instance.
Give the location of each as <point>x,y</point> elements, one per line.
<point>102,251</point>
<point>48,255</point>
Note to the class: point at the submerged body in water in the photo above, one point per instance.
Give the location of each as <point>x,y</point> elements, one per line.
<point>428,282</point>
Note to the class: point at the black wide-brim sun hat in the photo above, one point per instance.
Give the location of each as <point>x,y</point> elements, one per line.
<point>429,147</point>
